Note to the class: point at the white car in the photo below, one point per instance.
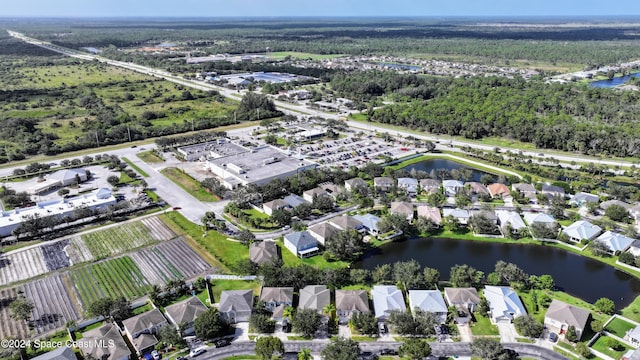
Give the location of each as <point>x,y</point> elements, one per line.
<point>156,355</point>
<point>198,351</point>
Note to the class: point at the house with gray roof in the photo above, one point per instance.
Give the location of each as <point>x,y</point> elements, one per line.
<point>262,252</point>
<point>383,183</point>
<point>272,297</point>
<point>322,232</point>
<point>332,189</point>
<point>409,185</point>
<point>314,297</point>
<point>461,215</point>
<point>185,312</point>
<point>430,212</point>
<point>582,199</point>
<point>465,300</point>
<point>61,353</point>
<point>605,204</point>
<point>105,343</point>
<point>527,190</point>
<point>561,315</point>
<point>369,222</point>
<point>236,305</point>
<point>387,298</point>
<point>615,242</point>
<point>451,187</point>
<point>403,208</point>
<point>633,336</point>
<point>510,218</point>
<point>301,244</point>
<point>350,302</point>
<point>551,191</point>
<point>429,301</point>
<point>430,186</point>
<point>538,217</point>
<point>504,303</point>
<point>278,204</point>
<point>61,178</point>
<point>487,214</point>
<point>351,184</point>
<point>582,230</point>
<point>141,329</point>
<point>345,222</point>
<point>294,200</point>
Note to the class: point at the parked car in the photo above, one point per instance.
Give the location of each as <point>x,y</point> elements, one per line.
<point>553,337</point>
<point>382,328</point>
<point>223,343</point>
<point>197,352</point>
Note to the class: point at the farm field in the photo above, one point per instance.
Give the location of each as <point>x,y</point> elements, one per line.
<point>23,264</point>
<point>53,304</point>
<point>8,326</point>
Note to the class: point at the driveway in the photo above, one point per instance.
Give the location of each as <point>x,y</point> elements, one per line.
<point>465,333</point>
<point>507,333</point>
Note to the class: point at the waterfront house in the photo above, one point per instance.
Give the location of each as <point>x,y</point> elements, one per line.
<point>561,315</point>
<point>430,186</point>
<point>430,301</point>
<point>346,222</point>
<point>403,208</point>
<point>350,302</point>
<point>504,303</point>
<point>582,230</point>
<point>461,215</point>
<point>301,244</point>
<point>322,232</point>
<point>430,212</point>
<point>510,218</point>
<point>537,217</point>
<point>369,223</point>
<point>387,298</point>
<point>615,242</point>
<point>465,301</point>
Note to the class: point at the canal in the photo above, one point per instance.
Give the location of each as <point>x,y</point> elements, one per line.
<point>577,275</point>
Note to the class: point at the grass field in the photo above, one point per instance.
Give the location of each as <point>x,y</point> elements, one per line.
<point>619,327</point>
<point>483,326</point>
<point>135,167</point>
<point>318,261</point>
<point>218,286</point>
<point>189,184</point>
<point>149,157</point>
<point>602,345</point>
<point>115,240</point>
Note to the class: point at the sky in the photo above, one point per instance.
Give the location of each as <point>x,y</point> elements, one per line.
<point>281,8</point>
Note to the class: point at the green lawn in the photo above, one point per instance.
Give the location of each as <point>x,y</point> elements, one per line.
<point>619,327</point>
<point>149,157</point>
<point>135,167</point>
<point>483,326</point>
<point>218,286</point>
<point>602,346</point>
<point>189,184</point>
<point>318,261</point>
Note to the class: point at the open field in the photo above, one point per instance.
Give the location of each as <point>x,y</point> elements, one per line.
<point>149,157</point>
<point>53,304</point>
<point>189,184</point>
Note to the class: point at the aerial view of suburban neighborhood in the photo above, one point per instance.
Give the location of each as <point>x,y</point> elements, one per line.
<point>342,180</point>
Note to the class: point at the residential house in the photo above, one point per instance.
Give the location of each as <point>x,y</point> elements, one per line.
<point>262,252</point>
<point>272,297</point>
<point>62,353</point>
<point>345,222</point>
<point>236,305</point>
<point>105,343</point>
<point>605,204</point>
<point>551,191</point>
<point>582,230</point>
<point>322,232</point>
<point>403,208</point>
<point>510,218</point>
<point>633,336</point>
<point>350,302</point>
<point>141,329</point>
<point>301,244</point>
<point>430,301</point>
<point>383,183</point>
<point>615,242</point>
<point>461,215</point>
<point>561,315</point>
<point>369,223</point>
<point>536,217</point>
<point>277,204</point>
<point>451,187</point>
<point>488,214</point>
<point>634,249</point>
<point>465,300</point>
<point>633,354</point>
<point>430,186</point>
<point>504,303</point>
<point>527,190</point>
<point>476,188</point>
<point>309,195</point>
<point>582,199</point>
<point>634,211</point>
<point>294,200</point>
<point>332,189</point>
<point>185,312</point>
<point>430,212</point>
<point>498,190</point>
<point>387,298</point>
<point>315,297</point>
<point>352,184</point>
<point>409,185</point>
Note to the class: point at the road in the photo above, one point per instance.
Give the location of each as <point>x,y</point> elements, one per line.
<point>303,110</point>
<point>439,349</point>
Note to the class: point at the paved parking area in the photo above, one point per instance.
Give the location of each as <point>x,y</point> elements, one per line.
<point>351,151</point>
<point>507,332</point>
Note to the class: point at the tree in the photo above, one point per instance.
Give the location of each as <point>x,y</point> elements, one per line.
<point>627,258</point>
<point>606,306</point>
<point>245,237</point>
<point>528,326</point>
<point>281,217</point>
<point>382,273</point>
<point>20,309</point>
<point>571,334</point>
<point>408,273</point>
<point>341,349</point>
<point>262,323</point>
<point>306,322</point>
<point>359,276</point>
<point>113,180</point>
<point>486,348</point>
<point>420,323</point>
<point>542,282</point>
<point>346,245</point>
<point>305,354</point>
<point>365,323</point>
<point>616,213</point>
<point>465,276</point>
<point>415,349</point>
<point>596,325</point>
<point>426,226</point>
<point>210,325</point>
<point>170,336</point>
<point>583,350</point>
<point>101,307</point>
<point>266,346</point>
<point>395,222</point>
<point>599,248</point>
<point>121,309</point>
<point>451,223</point>
<point>510,273</point>
<point>431,277</point>
<point>483,225</point>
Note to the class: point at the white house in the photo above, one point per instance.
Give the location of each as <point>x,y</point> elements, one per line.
<point>582,230</point>
<point>409,185</point>
<point>387,298</point>
<point>615,242</point>
<point>451,187</point>
<point>511,218</point>
<point>430,301</point>
<point>461,215</point>
<point>369,222</point>
<point>504,304</point>
<point>536,217</point>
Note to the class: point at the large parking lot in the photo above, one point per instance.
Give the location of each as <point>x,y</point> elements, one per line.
<point>351,151</point>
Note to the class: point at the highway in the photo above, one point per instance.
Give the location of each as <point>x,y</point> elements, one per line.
<point>299,110</point>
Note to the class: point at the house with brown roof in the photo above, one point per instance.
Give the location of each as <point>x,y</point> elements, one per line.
<point>277,204</point>
<point>383,183</point>
<point>322,232</point>
<point>430,186</point>
<point>498,190</point>
<point>476,188</point>
<point>351,184</point>
<point>309,195</point>
<point>345,222</point>
<point>272,297</point>
<point>403,208</point>
<point>185,312</point>
<point>465,301</point>
<point>350,302</point>
<point>561,315</point>
<point>332,189</point>
<point>262,252</point>
<point>141,329</point>
<point>236,305</point>
<point>105,343</point>
<point>430,212</point>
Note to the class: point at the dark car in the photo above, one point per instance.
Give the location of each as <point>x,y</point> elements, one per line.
<point>222,343</point>
<point>511,354</point>
<point>553,337</point>
<point>388,351</point>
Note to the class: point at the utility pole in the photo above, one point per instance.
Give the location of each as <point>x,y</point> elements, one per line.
<point>97,141</point>
<point>192,126</point>
<point>129,132</point>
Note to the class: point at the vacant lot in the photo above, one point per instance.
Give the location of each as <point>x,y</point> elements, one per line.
<point>189,184</point>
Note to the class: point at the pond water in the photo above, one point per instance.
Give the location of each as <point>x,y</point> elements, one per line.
<point>613,82</point>
<point>435,164</point>
<point>400,66</point>
<point>577,275</point>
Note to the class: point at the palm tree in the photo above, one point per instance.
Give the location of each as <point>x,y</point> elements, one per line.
<point>330,310</point>
<point>288,312</point>
<point>305,354</point>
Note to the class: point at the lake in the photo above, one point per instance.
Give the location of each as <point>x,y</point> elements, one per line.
<point>579,276</point>
<point>435,164</point>
<point>613,82</point>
